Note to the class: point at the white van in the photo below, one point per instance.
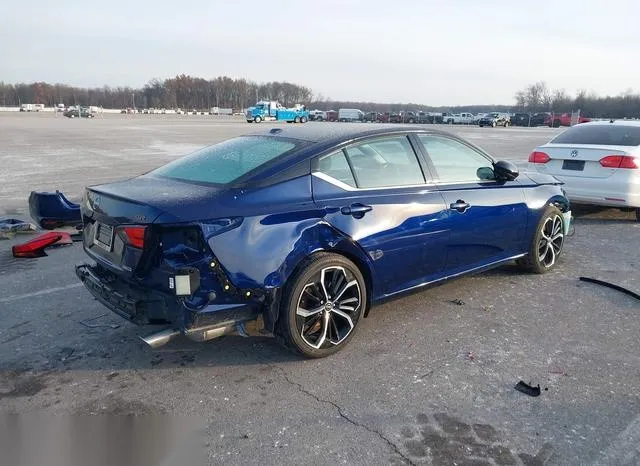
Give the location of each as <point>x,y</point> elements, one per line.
<point>350,114</point>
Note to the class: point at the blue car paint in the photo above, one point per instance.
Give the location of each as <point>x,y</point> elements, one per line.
<point>410,238</point>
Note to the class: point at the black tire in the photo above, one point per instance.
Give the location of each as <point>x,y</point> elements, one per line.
<point>536,261</point>
<point>638,215</point>
<point>257,119</point>
<point>556,124</point>
<point>303,119</point>
<point>327,330</point>
<point>410,120</point>
<point>493,124</point>
<point>296,119</point>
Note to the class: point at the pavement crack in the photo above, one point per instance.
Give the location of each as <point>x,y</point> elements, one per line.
<point>344,416</point>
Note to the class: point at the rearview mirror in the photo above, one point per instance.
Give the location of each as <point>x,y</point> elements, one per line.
<point>505,171</point>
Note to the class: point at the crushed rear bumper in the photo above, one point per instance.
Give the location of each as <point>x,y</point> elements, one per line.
<point>149,307</point>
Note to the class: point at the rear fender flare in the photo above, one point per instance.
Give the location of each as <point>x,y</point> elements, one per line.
<point>326,239</point>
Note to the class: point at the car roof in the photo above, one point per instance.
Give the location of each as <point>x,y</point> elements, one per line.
<point>609,122</point>
<point>338,132</point>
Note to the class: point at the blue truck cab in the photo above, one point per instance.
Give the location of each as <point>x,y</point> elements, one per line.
<point>273,111</point>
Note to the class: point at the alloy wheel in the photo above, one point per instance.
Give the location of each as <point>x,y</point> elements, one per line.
<point>328,307</point>
<point>551,240</point>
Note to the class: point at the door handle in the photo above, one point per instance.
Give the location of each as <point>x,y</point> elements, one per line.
<point>356,210</point>
<point>460,205</point>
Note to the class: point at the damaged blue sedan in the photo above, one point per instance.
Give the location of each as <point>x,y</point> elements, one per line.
<point>298,231</point>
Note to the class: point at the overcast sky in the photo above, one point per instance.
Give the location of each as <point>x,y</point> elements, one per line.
<point>433,52</point>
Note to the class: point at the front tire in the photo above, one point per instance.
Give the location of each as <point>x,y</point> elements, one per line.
<point>322,306</point>
<point>257,119</point>
<point>547,244</point>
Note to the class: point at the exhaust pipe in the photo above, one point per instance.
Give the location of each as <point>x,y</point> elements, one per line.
<point>158,339</point>
<point>243,328</point>
<point>206,334</point>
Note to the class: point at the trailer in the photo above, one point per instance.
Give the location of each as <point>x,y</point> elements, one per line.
<point>273,111</point>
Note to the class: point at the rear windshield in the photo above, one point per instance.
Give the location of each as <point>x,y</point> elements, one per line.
<point>227,161</point>
<point>610,135</point>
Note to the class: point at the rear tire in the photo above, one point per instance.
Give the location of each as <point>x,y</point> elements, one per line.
<point>257,119</point>
<point>547,243</point>
<point>321,306</point>
<point>303,119</point>
<point>296,119</point>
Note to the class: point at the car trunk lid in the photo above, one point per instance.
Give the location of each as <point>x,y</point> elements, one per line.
<point>578,160</point>
<point>119,218</point>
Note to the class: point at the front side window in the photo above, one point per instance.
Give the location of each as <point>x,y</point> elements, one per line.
<point>456,162</point>
<point>227,161</point>
<point>385,162</point>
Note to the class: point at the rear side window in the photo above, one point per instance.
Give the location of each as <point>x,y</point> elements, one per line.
<point>227,161</point>
<point>610,135</point>
<point>385,162</point>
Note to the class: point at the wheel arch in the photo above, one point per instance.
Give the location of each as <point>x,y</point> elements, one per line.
<point>334,242</point>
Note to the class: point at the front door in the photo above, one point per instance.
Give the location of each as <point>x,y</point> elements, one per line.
<point>487,217</point>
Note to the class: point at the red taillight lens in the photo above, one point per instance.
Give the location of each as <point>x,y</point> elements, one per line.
<point>619,161</point>
<point>539,157</point>
<point>135,236</point>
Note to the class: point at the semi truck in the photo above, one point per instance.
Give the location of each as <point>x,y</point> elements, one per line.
<point>273,111</point>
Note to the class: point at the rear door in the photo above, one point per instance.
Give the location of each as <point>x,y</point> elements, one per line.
<point>376,192</point>
<point>487,217</point>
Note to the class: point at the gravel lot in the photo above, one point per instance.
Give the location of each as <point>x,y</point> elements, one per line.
<point>425,380</point>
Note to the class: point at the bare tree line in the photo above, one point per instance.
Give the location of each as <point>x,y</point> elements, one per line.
<point>538,97</point>
<point>183,91</point>
<point>188,92</point>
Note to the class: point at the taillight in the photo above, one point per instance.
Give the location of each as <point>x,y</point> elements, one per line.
<point>135,236</point>
<point>620,161</point>
<point>538,157</point>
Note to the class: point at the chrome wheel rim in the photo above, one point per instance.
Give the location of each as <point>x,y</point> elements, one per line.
<point>328,307</point>
<point>551,239</point>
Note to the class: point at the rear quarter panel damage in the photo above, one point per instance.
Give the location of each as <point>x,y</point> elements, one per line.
<point>265,251</point>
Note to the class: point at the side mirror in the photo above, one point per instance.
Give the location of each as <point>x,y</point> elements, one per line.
<point>505,171</point>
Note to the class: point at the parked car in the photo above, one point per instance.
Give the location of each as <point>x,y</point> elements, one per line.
<point>317,115</point>
<point>494,119</point>
<point>463,118</point>
<point>564,119</point>
<point>531,119</point>
<point>350,114</point>
<point>332,115</point>
<point>599,162</point>
<point>299,231</point>
<point>373,117</point>
<point>521,119</point>
<point>447,118</point>
<point>81,112</point>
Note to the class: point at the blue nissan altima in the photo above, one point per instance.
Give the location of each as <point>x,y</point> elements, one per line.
<point>298,231</point>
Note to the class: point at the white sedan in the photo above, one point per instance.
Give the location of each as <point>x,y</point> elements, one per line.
<point>599,162</point>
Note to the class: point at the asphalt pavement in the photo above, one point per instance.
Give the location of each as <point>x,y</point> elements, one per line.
<point>428,379</point>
